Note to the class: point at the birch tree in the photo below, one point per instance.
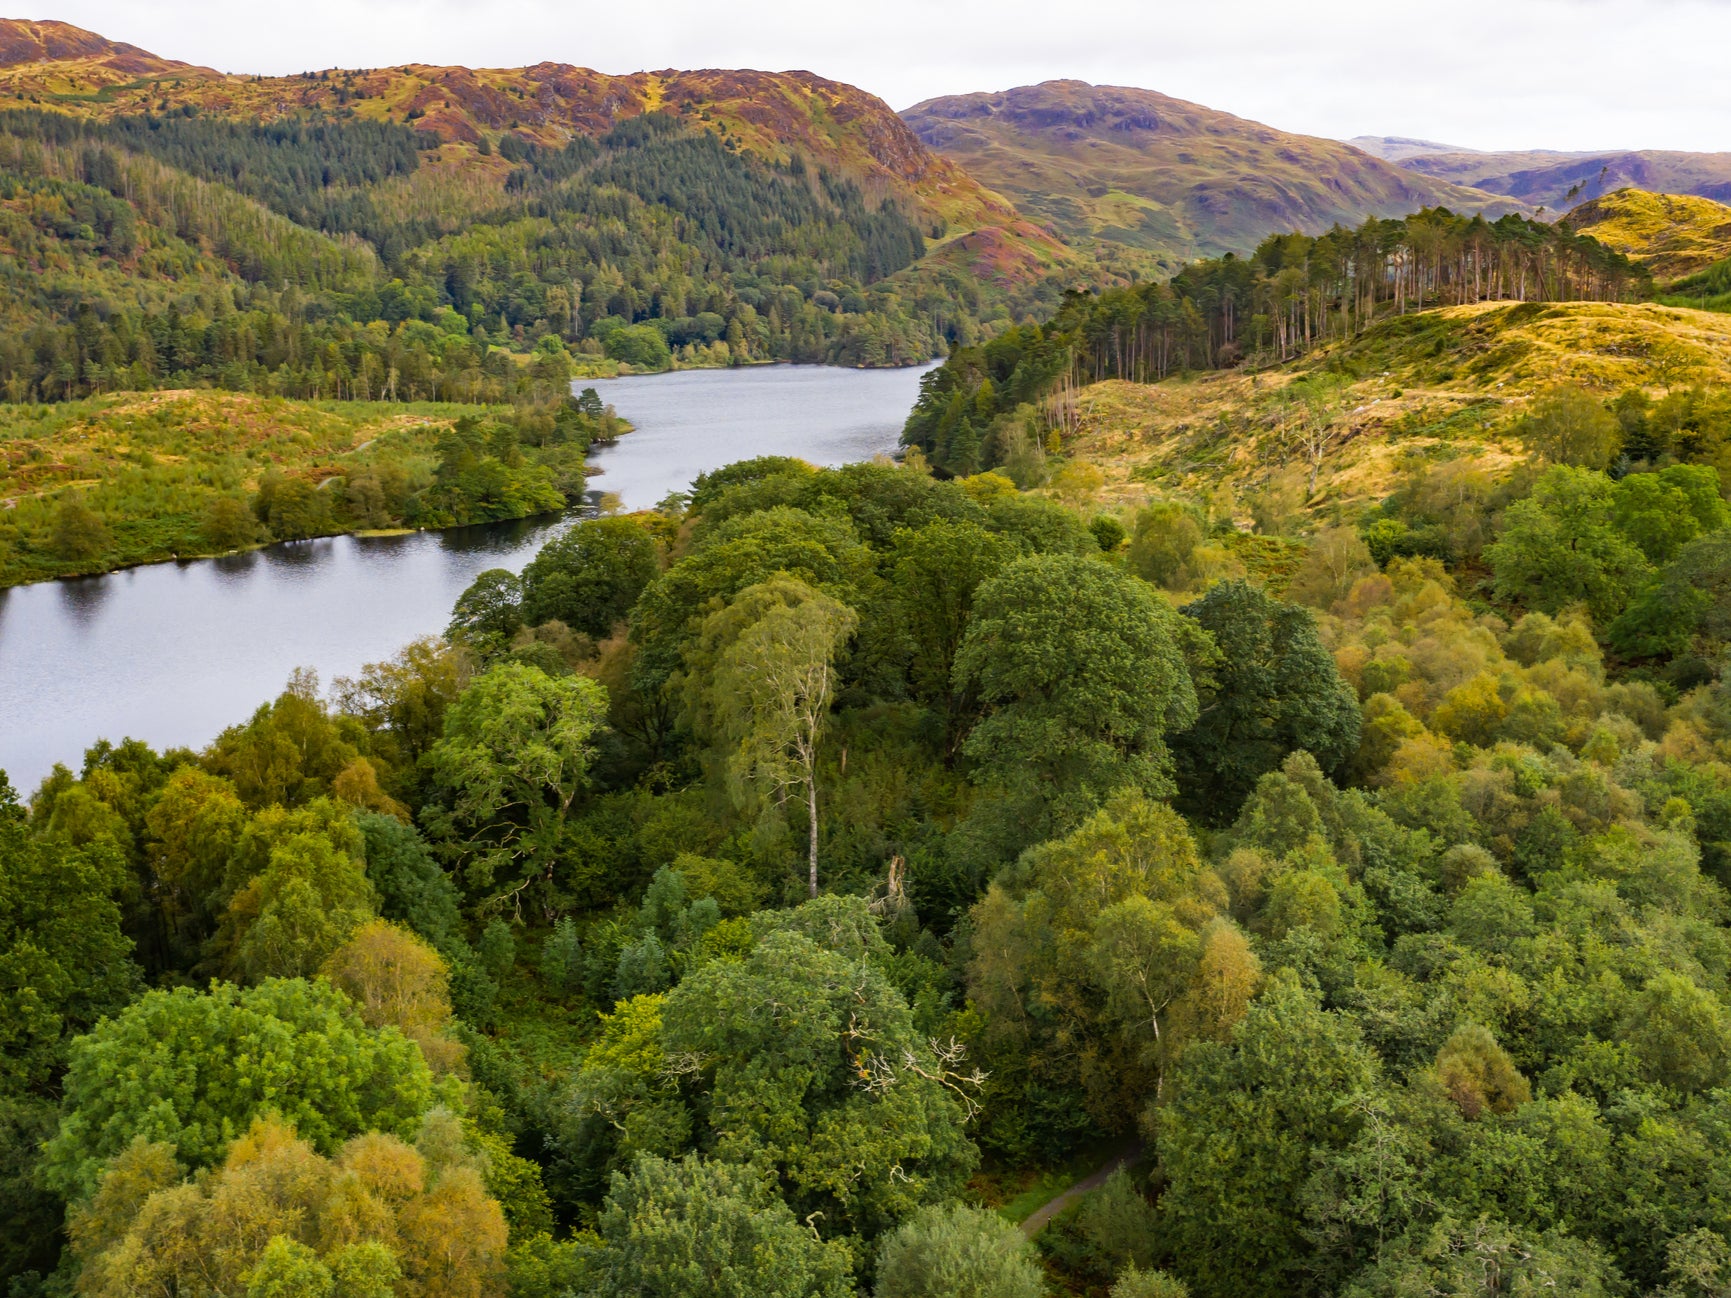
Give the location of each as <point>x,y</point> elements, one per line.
<point>771,696</point>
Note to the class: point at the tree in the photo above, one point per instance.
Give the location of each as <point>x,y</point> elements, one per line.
<point>589,576</point>
<point>193,1069</point>
<point>1149,1284</point>
<point>697,1229</point>
<point>809,1065</point>
<point>410,887</point>
<point>1273,689</point>
<point>1310,418</point>
<point>954,1251</point>
<point>516,753</point>
<point>1098,957</point>
<point>1081,670</point>
<point>1238,1138</point>
<point>488,613</point>
<point>278,1219</point>
<point>771,691</point>
<point>228,524</point>
<point>937,570</point>
<point>1165,537</point>
<point>80,535</point>
<point>1486,1258</point>
<point>397,980</point>
<point>1571,426</point>
<point>1558,547</point>
<point>64,961</point>
<point>310,896</point>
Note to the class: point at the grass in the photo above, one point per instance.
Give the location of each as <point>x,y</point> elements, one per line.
<point>1435,386</point>
<point>151,464</point>
<point>1673,235</point>
<point>1017,1193</point>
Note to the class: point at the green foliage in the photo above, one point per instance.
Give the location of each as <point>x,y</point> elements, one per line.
<point>805,1052</point>
<point>1081,673</point>
<point>590,576</point>
<point>696,1229</point>
<point>515,755</point>
<point>193,1069</point>
<point>1461,1258</point>
<point>1238,1138</point>
<point>955,1251</point>
<point>1559,547</point>
<point>1273,688</point>
<point>64,961</point>
<point>1571,426</point>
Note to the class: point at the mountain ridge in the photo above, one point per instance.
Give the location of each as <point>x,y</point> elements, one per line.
<point>1179,179</point>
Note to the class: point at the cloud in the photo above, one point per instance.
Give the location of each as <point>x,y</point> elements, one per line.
<point>1565,74</point>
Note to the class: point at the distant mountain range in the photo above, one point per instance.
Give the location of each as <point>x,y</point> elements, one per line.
<point>1172,178</point>
<point>1558,181</point>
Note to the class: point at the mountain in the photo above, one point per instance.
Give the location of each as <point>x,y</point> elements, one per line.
<point>1174,178</point>
<point>60,54</point>
<point>1673,235</point>
<point>1398,148</point>
<point>1559,181</point>
<point>770,116</point>
<point>374,217</point>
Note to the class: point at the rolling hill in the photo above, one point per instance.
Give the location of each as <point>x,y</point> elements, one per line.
<point>1673,235</point>
<point>1173,178</point>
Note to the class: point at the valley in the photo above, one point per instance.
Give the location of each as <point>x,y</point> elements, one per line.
<point>679,685</point>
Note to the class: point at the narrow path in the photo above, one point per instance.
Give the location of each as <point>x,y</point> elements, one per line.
<point>1036,1221</point>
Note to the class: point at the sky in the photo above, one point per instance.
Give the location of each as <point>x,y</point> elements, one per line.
<point>1492,74</point>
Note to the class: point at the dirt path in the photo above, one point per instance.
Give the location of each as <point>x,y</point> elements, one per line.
<point>1036,1220</point>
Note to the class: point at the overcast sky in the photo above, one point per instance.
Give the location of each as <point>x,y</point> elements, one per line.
<point>1563,74</point>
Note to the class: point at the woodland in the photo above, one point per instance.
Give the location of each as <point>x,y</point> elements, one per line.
<point>808,888</point>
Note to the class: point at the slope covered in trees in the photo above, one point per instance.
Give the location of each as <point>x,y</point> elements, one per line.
<point>1167,177</point>
<point>1374,875</point>
<point>479,126</point>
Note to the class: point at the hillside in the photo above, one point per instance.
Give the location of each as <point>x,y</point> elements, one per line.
<point>772,117</point>
<point>47,54</point>
<point>1673,235</point>
<point>1176,179</point>
<point>1439,387</point>
<point>1559,181</point>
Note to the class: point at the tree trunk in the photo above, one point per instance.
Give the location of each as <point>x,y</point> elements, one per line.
<point>811,810</point>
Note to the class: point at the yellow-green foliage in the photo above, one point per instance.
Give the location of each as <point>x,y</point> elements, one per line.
<point>1673,235</point>
<point>1435,387</point>
<point>150,466</point>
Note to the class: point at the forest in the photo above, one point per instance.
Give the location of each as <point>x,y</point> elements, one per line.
<point>789,890</point>
<point>322,257</point>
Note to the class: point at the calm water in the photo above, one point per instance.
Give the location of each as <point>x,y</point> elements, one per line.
<point>174,652</point>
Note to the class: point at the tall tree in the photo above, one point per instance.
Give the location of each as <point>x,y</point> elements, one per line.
<point>773,684</point>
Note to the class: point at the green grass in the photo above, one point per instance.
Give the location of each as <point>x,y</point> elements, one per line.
<point>1018,1193</point>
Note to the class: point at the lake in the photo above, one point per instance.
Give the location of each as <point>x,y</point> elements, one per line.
<point>173,652</point>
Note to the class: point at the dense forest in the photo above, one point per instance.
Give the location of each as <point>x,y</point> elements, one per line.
<point>329,258</point>
<point>774,893</point>
<point>1295,294</point>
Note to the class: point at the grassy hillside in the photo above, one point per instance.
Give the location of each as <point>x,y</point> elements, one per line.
<point>1439,387</point>
<point>1172,178</point>
<point>1560,181</point>
<point>1674,235</point>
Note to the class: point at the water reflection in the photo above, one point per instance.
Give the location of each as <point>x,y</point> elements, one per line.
<point>83,597</point>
